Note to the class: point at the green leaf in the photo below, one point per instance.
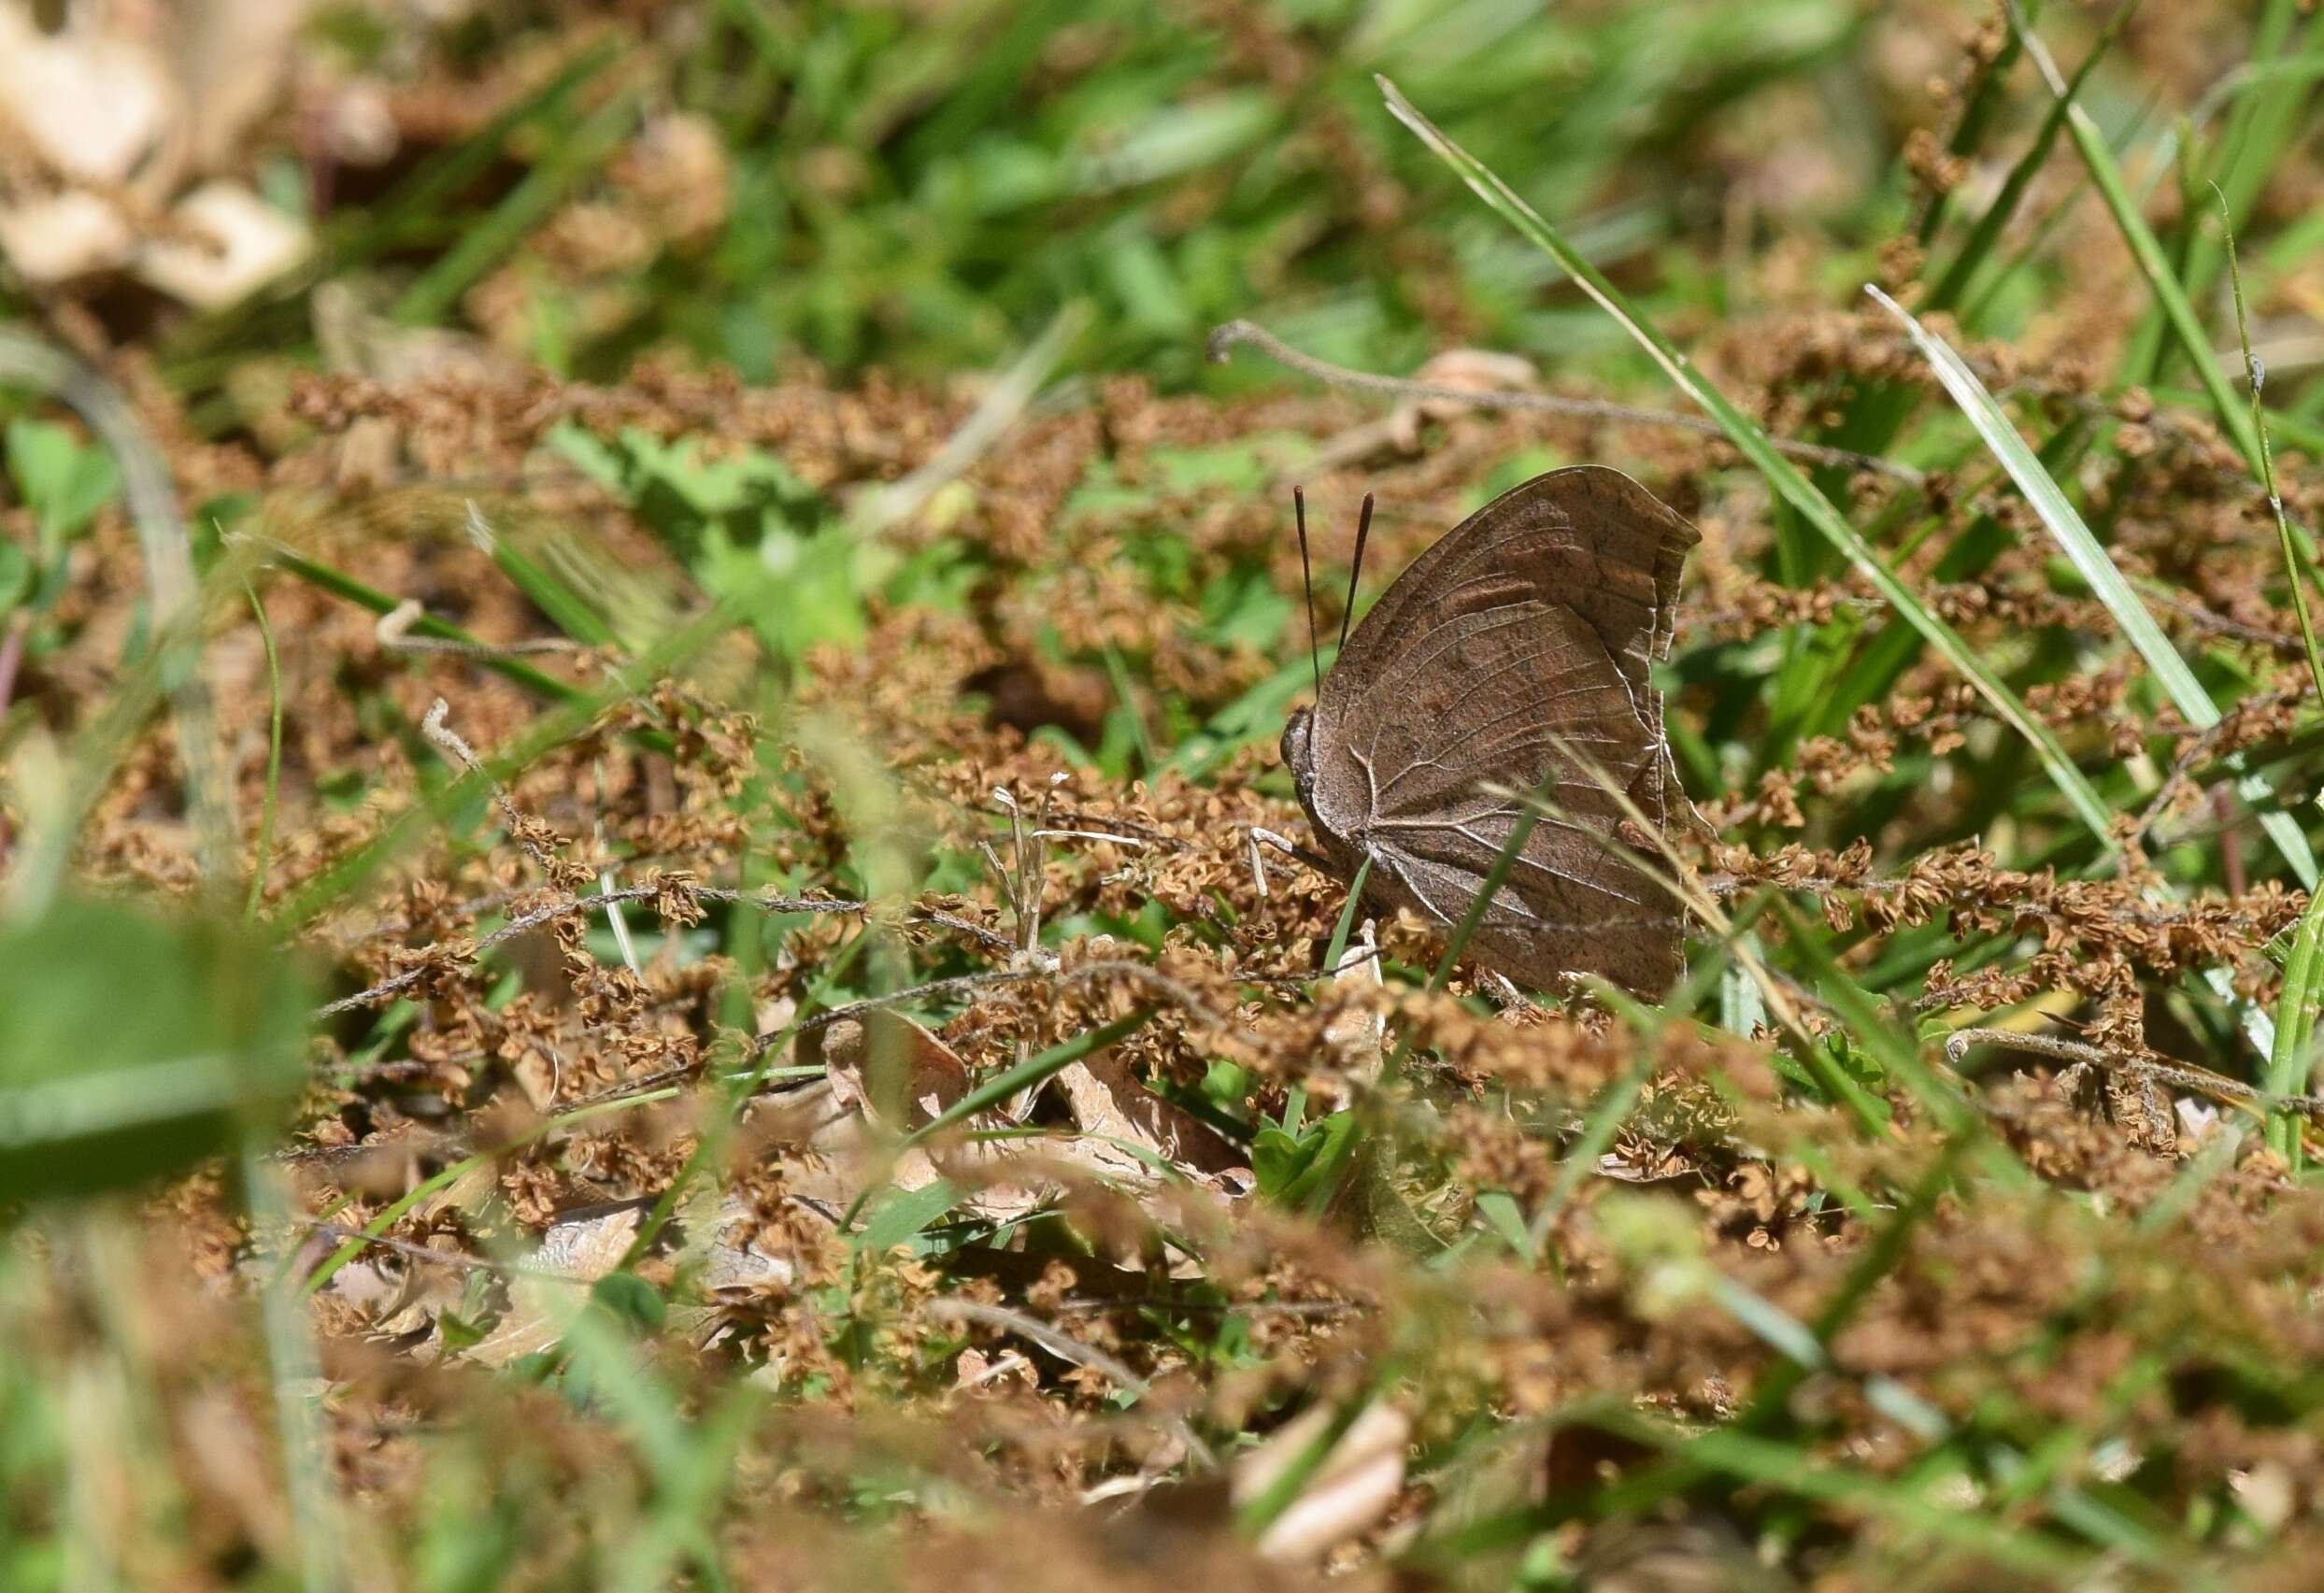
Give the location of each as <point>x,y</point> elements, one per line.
<point>65,481</point>
<point>631,1299</point>
<point>2291,1056</point>
<point>2147,252</point>
<point>899,1216</point>
<point>1276,1158</point>
<point>131,1046</point>
<point>1501,1214</point>
<point>1300,1170</point>
<point>1987,231</point>
<point>16,575</point>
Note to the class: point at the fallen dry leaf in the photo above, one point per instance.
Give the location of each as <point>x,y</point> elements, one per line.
<point>884,1056</point>
<point>857,1053</point>
<point>255,244</point>
<point>1351,1490</point>
<point>540,1308</point>
<point>92,101</point>
<point>1109,1103</point>
<point>55,237</point>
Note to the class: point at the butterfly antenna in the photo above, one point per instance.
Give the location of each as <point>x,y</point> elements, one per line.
<point>1308,582</point>
<point>1355,571</point>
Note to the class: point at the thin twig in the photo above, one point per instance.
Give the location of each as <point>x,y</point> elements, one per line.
<point>1957,1042</point>
<point>393,632</point>
<point>458,1260</point>
<point>992,939</point>
<point>945,987</point>
<point>448,740</point>
<point>1095,1305</point>
<point>396,984</point>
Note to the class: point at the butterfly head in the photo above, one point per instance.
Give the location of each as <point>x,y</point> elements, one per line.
<point>1299,756</point>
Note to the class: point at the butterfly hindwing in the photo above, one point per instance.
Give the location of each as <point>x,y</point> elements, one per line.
<point>1515,649</point>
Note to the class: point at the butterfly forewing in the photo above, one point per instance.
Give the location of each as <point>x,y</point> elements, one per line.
<point>1515,649</point>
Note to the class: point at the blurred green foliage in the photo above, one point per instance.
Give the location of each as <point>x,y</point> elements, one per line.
<point>131,1046</point>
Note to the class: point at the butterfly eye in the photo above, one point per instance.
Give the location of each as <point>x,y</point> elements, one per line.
<point>1296,756</point>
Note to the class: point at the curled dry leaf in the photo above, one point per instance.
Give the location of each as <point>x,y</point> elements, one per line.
<point>250,243</point>
<point>885,1071</point>
<point>1357,1481</point>
<point>889,1067</point>
<point>1114,1110</point>
<point>541,1307</point>
<point>58,236</point>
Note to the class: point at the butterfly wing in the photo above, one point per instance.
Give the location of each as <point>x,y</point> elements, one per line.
<point>1515,648</point>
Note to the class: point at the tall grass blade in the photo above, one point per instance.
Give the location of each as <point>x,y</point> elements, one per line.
<point>2289,1059</point>
<point>2295,571</point>
<point>265,844</point>
<point>2091,563</point>
<point>1747,437</point>
<point>1975,250</point>
<point>2184,325</point>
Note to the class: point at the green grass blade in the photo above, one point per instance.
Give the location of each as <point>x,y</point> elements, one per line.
<point>341,585</point>
<point>2295,571</point>
<point>1339,949</point>
<point>1793,488</point>
<point>1054,1060</point>
<point>2261,125</point>
<point>2184,325</point>
<point>274,758</point>
<point>527,205</point>
<point>1000,1086</point>
<point>568,719</point>
<point>2091,563</point>
<point>1978,247</point>
<point>2289,1059</point>
<point>1976,118</point>
<point>446,1177</point>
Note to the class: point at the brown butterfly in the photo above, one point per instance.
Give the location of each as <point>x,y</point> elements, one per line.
<point>1532,627</point>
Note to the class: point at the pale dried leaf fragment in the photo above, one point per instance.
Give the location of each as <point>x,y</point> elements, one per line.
<point>1360,1478</point>
<point>1108,1102</point>
<point>886,1072</point>
<point>1357,1032</point>
<point>542,1307</point>
<point>359,123</point>
<point>735,1256</point>
<point>56,237</point>
<point>231,59</point>
<point>252,242</point>
<point>91,101</point>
